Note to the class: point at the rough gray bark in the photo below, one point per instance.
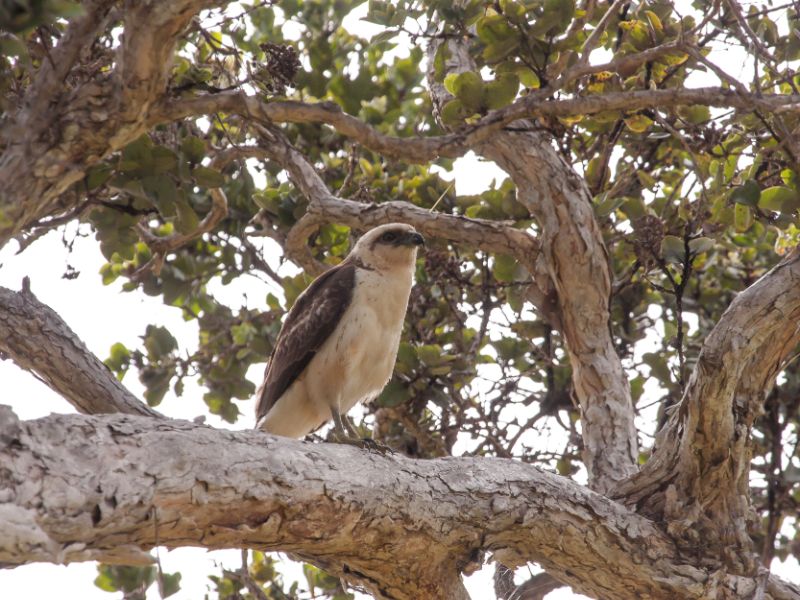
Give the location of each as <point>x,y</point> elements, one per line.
<point>79,488</point>
<point>698,476</point>
<point>37,339</point>
<point>106,488</point>
<point>68,126</point>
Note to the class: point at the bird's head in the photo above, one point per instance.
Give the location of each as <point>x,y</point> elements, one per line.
<point>388,246</point>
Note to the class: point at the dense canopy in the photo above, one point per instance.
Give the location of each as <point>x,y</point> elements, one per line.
<point>613,282</point>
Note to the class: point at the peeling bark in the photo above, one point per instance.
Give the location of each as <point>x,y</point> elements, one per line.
<point>106,488</point>
<point>68,128</point>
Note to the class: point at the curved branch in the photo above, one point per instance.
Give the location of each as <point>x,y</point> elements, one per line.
<point>68,500</point>
<point>38,340</point>
<point>324,207</point>
<point>698,475</point>
<point>575,261</point>
<point>161,246</point>
<point>420,150</point>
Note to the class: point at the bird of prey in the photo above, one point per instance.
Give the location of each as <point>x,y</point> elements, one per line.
<point>339,342</point>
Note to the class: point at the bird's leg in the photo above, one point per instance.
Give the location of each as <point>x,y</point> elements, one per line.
<point>348,424</point>
<point>341,422</point>
<point>339,430</point>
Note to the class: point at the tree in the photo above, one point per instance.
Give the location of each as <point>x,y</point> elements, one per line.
<point>637,205</point>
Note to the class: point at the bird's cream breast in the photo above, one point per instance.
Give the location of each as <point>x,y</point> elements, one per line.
<point>357,361</point>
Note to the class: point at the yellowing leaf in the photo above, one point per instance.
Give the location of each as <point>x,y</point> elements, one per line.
<point>654,21</point>
<point>638,123</point>
<point>742,217</point>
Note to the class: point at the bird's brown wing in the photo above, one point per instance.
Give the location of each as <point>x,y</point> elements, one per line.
<point>310,322</point>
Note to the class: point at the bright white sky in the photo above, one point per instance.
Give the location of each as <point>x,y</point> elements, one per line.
<point>102,316</point>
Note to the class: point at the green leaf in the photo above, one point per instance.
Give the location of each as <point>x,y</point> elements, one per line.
<point>504,268</point>
<point>502,90</point>
<point>394,394</point>
<point>468,87</point>
<point>778,198</point>
<point>98,175</point>
<point>634,208</point>
<point>528,78</point>
<point>742,217</point>
<point>193,148</point>
<point>164,159</point>
<point>493,28</point>
<point>747,194</point>
<point>497,51</point>
<point>695,113</point>
<point>208,177</point>
<point>383,36</point>
<point>161,191</point>
<point>158,341</point>
<point>105,582</point>
<point>608,204</point>
<point>672,249</point>
<point>118,359</point>
<point>658,366</point>
<point>430,355</point>
<point>187,219</point>
<point>556,17</point>
<point>701,244</point>
<point>169,584</point>
<point>454,112</point>
<point>450,82</point>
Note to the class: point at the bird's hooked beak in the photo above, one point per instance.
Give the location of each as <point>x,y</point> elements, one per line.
<point>413,239</point>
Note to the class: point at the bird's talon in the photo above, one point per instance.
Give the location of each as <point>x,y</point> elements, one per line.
<point>371,445</point>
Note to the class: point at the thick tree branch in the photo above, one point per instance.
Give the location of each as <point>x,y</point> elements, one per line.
<point>576,265</point>
<point>324,207</point>
<point>68,129</point>
<point>38,340</point>
<point>425,149</point>
<point>86,488</point>
<point>698,477</point>
<point>146,53</point>
<point>48,83</point>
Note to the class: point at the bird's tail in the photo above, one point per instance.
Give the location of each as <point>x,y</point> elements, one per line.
<point>293,415</point>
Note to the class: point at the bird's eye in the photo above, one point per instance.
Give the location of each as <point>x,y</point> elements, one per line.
<point>389,236</point>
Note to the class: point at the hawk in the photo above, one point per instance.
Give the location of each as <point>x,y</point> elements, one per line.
<point>339,342</point>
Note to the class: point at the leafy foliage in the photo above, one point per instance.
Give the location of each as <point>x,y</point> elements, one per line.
<point>694,205</point>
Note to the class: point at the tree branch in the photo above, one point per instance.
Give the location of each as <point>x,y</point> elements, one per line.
<point>324,207</point>
<point>698,476</point>
<point>575,261</point>
<point>85,488</point>
<point>38,340</point>
<point>161,246</point>
<point>66,130</point>
<point>48,83</point>
<point>421,150</point>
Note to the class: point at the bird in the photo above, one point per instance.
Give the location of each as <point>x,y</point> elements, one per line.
<point>338,344</point>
